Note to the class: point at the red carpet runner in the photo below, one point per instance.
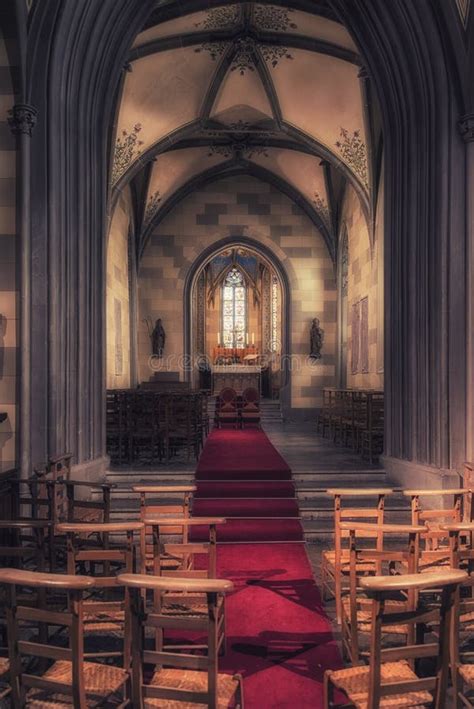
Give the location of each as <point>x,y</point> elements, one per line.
<point>278,636</point>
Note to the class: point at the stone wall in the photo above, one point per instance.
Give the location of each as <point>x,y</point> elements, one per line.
<point>243,206</point>
<point>118,296</point>
<point>364,368</point>
<point>9,271</point>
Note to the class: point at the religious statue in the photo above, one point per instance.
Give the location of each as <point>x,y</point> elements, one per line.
<point>158,339</point>
<point>316,339</point>
<point>157,336</point>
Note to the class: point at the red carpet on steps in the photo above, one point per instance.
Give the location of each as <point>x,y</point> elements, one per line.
<point>278,636</point>
<point>241,455</point>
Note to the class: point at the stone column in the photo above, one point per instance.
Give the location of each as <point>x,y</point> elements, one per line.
<point>22,120</point>
<point>466,127</point>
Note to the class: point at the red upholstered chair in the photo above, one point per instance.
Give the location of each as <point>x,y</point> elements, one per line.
<point>250,411</point>
<point>228,410</point>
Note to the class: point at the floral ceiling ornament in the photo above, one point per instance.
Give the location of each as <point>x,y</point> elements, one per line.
<point>354,152</point>
<point>272,53</point>
<point>244,57</point>
<point>273,19</point>
<point>152,207</point>
<point>220,17</point>
<point>127,149</point>
<point>214,49</point>
<point>322,208</point>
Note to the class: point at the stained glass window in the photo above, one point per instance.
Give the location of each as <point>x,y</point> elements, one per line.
<point>274,310</point>
<point>234,311</point>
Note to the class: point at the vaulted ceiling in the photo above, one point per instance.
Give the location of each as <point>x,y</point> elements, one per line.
<point>270,90</point>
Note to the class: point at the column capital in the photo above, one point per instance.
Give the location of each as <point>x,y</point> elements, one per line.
<point>466,127</point>
<point>22,119</point>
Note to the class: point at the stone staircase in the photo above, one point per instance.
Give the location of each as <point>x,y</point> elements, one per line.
<point>316,467</point>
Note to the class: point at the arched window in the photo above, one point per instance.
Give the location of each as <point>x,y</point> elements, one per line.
<point>234,309</point>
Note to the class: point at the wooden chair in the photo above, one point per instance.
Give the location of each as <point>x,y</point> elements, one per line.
<point>390,671</point>
<point>335,563</point>
<point>356,617</point>
<point>461,538</point>
<point>150,505</point>
<point>105,607</point>
<point>185,424</point>
<point>455,508</point>
<point>68,681</point>
<point>186,604</point>
<point>227,412</point>
<point>250,408</point>
<point>178,679</point>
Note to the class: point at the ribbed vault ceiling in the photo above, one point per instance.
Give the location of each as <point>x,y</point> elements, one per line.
<point>266,89</point>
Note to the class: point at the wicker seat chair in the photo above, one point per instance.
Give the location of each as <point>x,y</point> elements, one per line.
<point>67,681</point>
<point>390,678</point>
<point>105,606</point>
<point>178,679</point>
<point>191,605</point>
<point>390,558</point>
<point>162,501</point>
<point>335,562</point>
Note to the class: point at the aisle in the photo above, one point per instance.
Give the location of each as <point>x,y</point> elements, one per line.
<point>278,636</point>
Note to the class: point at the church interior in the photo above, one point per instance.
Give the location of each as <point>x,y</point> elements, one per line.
<point>236,354</point>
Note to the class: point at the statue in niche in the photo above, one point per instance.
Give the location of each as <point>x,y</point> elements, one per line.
<point>316,339</point>
<point>157,336</point>
<point>158,339</point>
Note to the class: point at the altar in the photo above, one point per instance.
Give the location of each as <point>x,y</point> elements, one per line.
<point>236,376</point>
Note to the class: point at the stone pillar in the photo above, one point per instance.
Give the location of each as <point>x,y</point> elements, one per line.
<point>22,120</point>
<point>466,127</point>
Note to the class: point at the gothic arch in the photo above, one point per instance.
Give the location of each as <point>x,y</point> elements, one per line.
<point>77,52</point>
<point>285,282</point>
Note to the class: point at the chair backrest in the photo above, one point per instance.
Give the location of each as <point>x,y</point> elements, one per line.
<point>18,614</point>
<point>228,398</point>
<point>185,549</point>
<point>150,505</point>
<point>101,553</point>
<point>24,541</point>
<point>250,396</point>
<point>381,590</point>
<point>455,507</point>
<point>144,616</point>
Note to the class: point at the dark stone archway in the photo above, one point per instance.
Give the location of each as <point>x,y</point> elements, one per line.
<point>77,49</point>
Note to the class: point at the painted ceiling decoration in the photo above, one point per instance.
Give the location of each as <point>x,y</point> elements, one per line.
<point>270,89</point>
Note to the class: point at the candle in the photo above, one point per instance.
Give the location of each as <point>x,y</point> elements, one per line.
<point>247,338</point>
<point>218,339</point>
<point>253,338</point>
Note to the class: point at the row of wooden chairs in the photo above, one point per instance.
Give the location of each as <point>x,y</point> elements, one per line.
<point>148,427</point>
<point>353,418</point>
<point>184,596</point>
<point>237,410</point>
<point>416,558</point>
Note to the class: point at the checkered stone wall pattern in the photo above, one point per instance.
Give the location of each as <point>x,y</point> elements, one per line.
<point>9,265</point>
<point>243,206</point>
